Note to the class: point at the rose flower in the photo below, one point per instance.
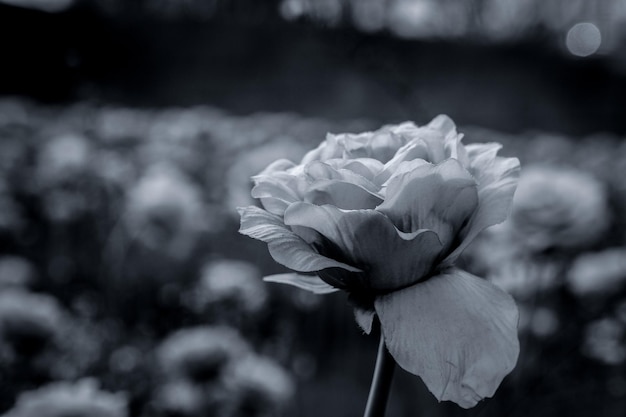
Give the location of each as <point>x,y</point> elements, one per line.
<point>383,216</point>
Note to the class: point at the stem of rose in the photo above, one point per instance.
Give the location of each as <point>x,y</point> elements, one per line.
<point>381,382</point>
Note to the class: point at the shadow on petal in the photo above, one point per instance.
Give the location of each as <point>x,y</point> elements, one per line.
<point>370,241</point>
<point>286,247</point>
<point>456,331</point>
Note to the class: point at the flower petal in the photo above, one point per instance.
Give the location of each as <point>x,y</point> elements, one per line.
<point>330,170</point>
<point>456,331</point>
<point>311,283</point>
<point>497,179</point>
<point>436,197</point>
<point>453,147</point>
<point>278,190</point>
<point>341,194</point>
<point>332,147</point>
<point>364,318</point>
<point>286,247</point>
<point>368,239</point>
<point>366,167</point>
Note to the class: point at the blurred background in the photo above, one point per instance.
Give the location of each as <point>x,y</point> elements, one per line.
<point>128,133</point>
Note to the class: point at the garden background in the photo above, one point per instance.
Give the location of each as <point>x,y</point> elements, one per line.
<point>128,134</point>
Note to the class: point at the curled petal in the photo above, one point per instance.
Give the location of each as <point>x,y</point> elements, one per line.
<point>277,166</point>
<point>436,197</point>
<point>286,247</point>
<point>368,239</point>
<point>364,318</point>
<point>341,194</point>
<point>318,170</point>
<point>278,190</point>
<point>414,150</point>
<point>332,147</point>
<point>456,331</point>
<point>366,167</point>
<point>311,283</point>
<point>497,179</point>
<point>453,147</point>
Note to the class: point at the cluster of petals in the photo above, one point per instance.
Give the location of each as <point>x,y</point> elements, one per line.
<point>384,215</point>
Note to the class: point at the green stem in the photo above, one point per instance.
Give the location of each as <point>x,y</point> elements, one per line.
<point>381,382</point>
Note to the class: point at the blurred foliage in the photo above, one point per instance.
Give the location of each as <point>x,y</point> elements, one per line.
<point>484,20</point>
<point>120,262</point>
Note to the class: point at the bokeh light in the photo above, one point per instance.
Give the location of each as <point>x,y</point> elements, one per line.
<point>583,39</point>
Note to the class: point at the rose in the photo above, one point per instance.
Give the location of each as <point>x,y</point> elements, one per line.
<point>384,215</point>
<point>558,208</point>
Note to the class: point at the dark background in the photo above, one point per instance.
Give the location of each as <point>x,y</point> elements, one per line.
<point>243,57</point>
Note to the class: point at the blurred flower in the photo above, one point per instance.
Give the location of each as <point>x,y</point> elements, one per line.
<point>78,348</point>
<point>543,322</point>
<point>28,323</point>
<point>125,359</point>
<point>600,272</point>
<point>605,341</point>
<point>230,283</point>
<point>165,211</point>
<point>200,354</point>
<point>62,165</point>
<point>524,277</point>
<point>180,398</point>
<point>62,157</point>
<point>115,168</point>
<point>558,208</point>
<point>384,215</point>
<point>62,399</point>
<point>177,137</point>
<point>121,125</point>
<point>15,272</point>
<point>258,387</point>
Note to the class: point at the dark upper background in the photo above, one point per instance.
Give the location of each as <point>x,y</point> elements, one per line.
<point>511,70</point>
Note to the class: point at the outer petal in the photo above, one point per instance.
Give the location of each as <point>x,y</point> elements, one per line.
<point>497,179</point>
<point>311,283</point>
<point>436,197</point>
<point>456,331</point>
<point>277,190</point>
<point>453,147</point>
<point>332,147</point>
<point>364,318</point>
<point>368,239</point>
<point>286,247</point>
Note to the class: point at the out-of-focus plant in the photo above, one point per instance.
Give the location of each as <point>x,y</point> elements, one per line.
<point>63,161</point>
<point>599,272</point>
<point>38,335</point>
<point>201,354</point>
<point>212,370</point>
<point>165,212</point>
<point>605,341</point>
<point>182,398</point>
<point>229,291</point>
<point>28,323</point>
<point>257,387</point>
<point>16,271</point>
<point>61,399</point>
<point>558,208</point>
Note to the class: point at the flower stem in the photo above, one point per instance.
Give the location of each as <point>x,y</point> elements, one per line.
<point>381,382</point>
